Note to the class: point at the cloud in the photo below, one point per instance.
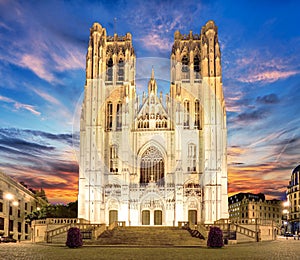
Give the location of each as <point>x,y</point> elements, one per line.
<point>251,116</point>
<point>37,65</point>
<point>154,41</point>
<point>34,46</point>
<point>46,96</point>
<point>41,159</point>
<point>18,105</point>
<point>268,76</point>
<point>268,99</point>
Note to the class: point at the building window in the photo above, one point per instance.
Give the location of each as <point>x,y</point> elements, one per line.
<point>109,71</point>
<point>113,160</point>
<point>1,207</point>
<point>1,194</point>
<point>197,67</point>
<point>109,116</point>
<point>19,213</point>
<point>197,115</point>
<point>26,206</point>
<point>119,116</point>
<point>143,121</point>
<point>186,114</point>
<point>11,225</point>
<point>191,158</point>
<point>26,228</point>
<point>185,67</point>
<point>152,167</point>
<point>10,210</point>
<point>1,223</point>
<point>121,70</point>
<point>19,227</point>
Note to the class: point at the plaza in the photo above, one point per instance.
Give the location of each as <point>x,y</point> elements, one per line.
<point>279,249</point>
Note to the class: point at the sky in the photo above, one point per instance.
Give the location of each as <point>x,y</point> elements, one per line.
<point>42,70</point>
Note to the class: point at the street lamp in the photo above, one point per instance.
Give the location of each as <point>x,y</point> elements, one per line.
<point>9,196</point>
<point>285,211</point>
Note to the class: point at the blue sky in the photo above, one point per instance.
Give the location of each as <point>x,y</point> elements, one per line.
<point>42,69</point>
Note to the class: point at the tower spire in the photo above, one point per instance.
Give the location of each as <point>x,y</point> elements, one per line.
<point>152,73</point>
<point>115,25</point>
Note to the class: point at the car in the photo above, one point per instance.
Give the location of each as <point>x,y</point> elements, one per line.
<point>7,240</point>
<point>288,235</point>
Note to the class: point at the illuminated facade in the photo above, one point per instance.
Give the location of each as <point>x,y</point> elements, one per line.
<point>153,160</point>
<point>248,208</point>
<point>16,201</point>
<point>293,196</point>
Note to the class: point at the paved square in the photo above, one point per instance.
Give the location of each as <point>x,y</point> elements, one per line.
<point>280,249</point>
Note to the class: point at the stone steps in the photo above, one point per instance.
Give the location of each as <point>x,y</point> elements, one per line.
<point>147,236</point>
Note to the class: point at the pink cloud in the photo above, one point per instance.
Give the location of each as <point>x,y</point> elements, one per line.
<point>18,105</point>
<point>154,41</point>
<point>268,76</point>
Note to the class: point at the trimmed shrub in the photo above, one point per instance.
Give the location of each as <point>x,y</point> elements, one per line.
<point>215,237</point>
<point>74,238</point>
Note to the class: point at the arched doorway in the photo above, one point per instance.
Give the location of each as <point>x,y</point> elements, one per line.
<point>113,216</point>
<point>152,167</point>
<point>157,217</point>
<point>192,217</point>
<point>146,217</point>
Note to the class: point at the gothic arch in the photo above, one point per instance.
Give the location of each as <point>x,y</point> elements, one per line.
<point>152,167</point>
<point>151,143</point>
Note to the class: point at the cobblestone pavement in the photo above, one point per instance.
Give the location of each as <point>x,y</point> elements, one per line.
<point>280,249</point>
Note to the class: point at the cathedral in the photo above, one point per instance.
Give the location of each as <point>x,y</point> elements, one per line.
<point>153,160</point>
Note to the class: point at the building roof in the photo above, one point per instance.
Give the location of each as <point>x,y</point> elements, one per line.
<point>297,169</point>
<point>251,196</point>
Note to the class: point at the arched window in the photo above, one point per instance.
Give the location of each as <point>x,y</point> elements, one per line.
<point>113,159</point>
<point>121,70</point>
<point>197,67</point>
<point>191,158</point>
<point>186,114</point>
<point>109,70</point>
<point>197,123</point>
<point>119,116</point>
<point>185,67</point>
<point>152,167</point>
<point>109,112</point>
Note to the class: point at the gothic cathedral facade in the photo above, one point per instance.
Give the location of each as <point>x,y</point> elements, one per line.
<point>153,160</point>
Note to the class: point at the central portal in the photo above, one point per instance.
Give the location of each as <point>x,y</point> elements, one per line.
<point>155,216</point>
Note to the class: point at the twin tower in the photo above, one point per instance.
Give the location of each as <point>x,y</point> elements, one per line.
<point>153,160</point>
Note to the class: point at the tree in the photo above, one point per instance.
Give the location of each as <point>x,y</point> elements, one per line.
<point>215,237</point>
<point>74,238</point>
<point>53,211</point>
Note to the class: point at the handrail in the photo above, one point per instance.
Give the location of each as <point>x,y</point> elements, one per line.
<point>60,230</point>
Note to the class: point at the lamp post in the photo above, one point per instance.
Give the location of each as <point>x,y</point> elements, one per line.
<point>285,211</point>
<point>10,198</point>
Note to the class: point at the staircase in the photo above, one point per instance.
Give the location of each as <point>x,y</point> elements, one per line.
<point>147,236</point>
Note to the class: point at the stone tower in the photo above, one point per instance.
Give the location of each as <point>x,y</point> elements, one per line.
<point>145,161</point>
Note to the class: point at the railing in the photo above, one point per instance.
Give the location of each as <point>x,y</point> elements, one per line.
<point>60,230</point>
<point>116,224</point>
<point>226,226</point>
<point>203,230</point>
<point>60,221</point>
<point>98,231</point>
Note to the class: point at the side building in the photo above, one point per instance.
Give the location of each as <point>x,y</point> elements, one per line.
<point>249,208</point>
<point>293,197</point>
<point>16,202</point>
